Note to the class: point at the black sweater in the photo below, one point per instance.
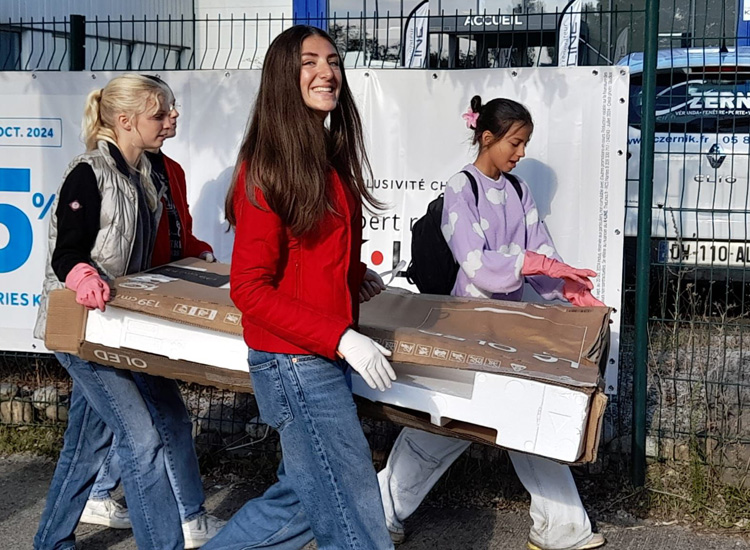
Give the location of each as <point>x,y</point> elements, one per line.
<point>78,214</point>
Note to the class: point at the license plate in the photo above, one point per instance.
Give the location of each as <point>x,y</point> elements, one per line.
<point>713,253</point>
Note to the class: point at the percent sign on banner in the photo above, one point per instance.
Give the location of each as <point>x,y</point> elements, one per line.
<point>20,235</point>
<point>39,201</point>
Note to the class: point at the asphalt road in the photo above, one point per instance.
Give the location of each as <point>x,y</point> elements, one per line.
<point>24,480</point>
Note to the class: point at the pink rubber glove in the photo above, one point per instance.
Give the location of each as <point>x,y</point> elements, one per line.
<point>539,264</point>
<point>91,291</point>
<point>578,295</point>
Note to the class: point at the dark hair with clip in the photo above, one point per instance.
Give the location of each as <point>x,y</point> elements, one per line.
<point>498,117</point>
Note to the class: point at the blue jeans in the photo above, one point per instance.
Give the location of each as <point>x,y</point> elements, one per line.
<point>173,423</point>
<point>106,402</point>
<point>327,488</point>
<point>108,477</point>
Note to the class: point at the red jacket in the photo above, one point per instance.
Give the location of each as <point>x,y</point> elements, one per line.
<point>297,295</point>
<point>191,246</point>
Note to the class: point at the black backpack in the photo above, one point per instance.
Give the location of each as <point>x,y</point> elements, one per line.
<point>433,268</point>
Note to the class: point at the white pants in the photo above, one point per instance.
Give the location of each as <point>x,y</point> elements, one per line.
<point>418,459</point>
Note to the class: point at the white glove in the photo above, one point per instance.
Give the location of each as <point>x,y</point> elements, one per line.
<point>207,256</point>
<point>368,358</point>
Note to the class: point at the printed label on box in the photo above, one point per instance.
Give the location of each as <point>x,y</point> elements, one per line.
<point>440,353</point>
<point>457,357</point>
<point>233,318</point>
<point>407,348</point>
<point>195,311</point>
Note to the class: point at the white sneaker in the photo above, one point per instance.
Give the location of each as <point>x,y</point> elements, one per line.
<point>200,530</point>
<point>596,540</point>
<point>106,512</point>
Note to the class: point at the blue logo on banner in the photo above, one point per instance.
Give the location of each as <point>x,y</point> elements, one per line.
<point>20,235</point>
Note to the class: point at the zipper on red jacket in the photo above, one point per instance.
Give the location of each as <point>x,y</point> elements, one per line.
<point>348,221</point>
<point>297,281</point>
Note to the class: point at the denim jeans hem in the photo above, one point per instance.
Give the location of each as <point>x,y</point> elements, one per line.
<point>191,517</point>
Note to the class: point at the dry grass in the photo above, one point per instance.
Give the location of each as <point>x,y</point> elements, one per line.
<point>39,440</point>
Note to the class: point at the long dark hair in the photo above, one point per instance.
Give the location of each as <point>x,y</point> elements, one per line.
<point>287,153</point>
<point>498,116</point>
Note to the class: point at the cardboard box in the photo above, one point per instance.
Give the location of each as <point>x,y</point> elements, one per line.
<point>66,331</point>
<point>527,374</point>
<point>481,434</point>
<point>516,413</point>
<point>188,291</point>
<point>158,321</point>
<point>553,344</point>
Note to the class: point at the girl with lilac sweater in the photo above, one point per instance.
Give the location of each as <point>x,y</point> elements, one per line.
<point>497,238</point>
<point>499,243</point>
<point>489,239</point>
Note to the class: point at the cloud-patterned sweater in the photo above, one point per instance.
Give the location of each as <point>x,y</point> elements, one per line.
<point>489,239</point>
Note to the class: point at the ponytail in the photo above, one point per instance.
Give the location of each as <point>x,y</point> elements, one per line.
<point>92,127</point>
<point>476,104</point>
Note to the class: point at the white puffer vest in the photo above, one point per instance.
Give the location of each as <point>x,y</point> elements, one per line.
<point>117,221</point>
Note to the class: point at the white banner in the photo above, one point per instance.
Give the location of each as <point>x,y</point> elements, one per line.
<point>416,48</point>
<point>570,35</point>
<point>575,163</point>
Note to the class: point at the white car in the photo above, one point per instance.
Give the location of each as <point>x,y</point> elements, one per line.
<point>701,200</point>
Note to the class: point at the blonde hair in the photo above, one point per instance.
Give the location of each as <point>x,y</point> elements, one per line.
<point>168,93</point>
<point>129,94</point>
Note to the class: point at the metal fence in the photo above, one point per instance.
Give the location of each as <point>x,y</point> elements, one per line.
<point>698,373</point>
<point>454,41</point>
<point>693,259</point>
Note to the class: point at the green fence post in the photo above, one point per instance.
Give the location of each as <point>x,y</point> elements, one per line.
<point>77,43</point>
<point>643,251</point>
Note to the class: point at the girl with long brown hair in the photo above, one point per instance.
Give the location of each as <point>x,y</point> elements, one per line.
<point>296,207</point>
